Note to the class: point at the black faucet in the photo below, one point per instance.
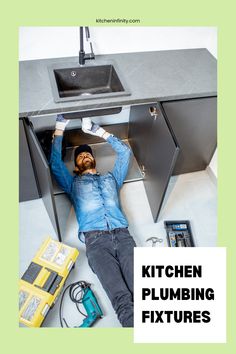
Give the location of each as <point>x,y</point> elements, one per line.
<point>82,56</point>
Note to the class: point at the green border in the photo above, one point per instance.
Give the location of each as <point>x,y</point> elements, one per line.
<point>72,13</point>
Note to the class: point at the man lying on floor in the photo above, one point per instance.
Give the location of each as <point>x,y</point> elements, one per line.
<point>95,197</point>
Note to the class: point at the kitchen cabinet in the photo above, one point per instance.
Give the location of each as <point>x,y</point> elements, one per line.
<point>43,174</point>
<point>156,151</point>
<point>56,202</point>
<point>28,189</point>
<point>194,123</point>
<point>166,138</point>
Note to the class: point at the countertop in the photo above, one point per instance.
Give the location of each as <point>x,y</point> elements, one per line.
<point>150,76</point>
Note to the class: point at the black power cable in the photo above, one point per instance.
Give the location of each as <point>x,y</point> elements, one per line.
<point>76,292</point>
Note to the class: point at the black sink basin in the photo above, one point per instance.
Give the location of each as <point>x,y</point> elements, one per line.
<point>85,82</point>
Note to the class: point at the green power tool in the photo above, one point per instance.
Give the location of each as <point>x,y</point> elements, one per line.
<point>81,293</point>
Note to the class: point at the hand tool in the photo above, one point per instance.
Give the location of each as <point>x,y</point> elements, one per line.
<point>154,240</point>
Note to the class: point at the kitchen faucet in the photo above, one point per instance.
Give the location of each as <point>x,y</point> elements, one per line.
<point>82,56</point>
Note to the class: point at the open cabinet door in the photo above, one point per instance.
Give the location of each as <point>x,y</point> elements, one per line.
<point>43,174</point>
<point>162,151</point>
<point>155,149</point>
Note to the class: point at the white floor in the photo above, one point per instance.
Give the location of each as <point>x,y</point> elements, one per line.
<point>191,197</point>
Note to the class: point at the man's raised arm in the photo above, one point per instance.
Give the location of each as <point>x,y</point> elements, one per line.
<point>58,168</point>
<point>122,150</point>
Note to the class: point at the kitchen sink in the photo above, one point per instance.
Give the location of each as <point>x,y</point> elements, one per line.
<point>74,82</point>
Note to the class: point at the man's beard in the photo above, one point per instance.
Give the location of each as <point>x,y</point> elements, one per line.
<point>87,165</point>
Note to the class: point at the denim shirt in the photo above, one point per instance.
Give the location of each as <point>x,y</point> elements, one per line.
<point>95,197</point>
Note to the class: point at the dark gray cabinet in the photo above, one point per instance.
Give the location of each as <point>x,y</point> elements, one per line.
<point>27,183</point>
<point>194,123</point>
<point>42,171</point>
<point>55,200</point>
<point>155,149</point>
<point>166,138</point>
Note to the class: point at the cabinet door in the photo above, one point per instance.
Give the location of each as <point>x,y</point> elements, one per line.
<point>43,174</point>
<point>194,123</point>
<point>155,148</point>
<point>140,125</point>
<point>27,183</point>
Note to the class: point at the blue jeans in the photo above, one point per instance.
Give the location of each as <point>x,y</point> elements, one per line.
<point>110,255</point>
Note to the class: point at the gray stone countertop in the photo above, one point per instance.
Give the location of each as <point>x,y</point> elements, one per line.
<point>150,76</point>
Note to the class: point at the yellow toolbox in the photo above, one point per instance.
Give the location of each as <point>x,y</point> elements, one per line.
<point>42,282</point>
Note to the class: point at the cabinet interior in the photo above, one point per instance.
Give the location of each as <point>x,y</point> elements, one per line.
<point>142,127</point>
<point>103,152</point>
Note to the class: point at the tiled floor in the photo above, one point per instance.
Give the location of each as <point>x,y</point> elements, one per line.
<point>191,196</point>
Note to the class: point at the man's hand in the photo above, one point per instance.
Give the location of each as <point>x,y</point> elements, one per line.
<point>93,129</point>
<point>61,123</point>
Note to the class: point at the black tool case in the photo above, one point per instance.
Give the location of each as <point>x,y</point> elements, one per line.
<point>179,233</point>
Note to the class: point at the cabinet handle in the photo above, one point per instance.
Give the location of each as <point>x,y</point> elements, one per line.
<point>143,171</point>
<point>153,112</point>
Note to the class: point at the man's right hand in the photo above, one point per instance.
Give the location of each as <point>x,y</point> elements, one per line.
<point>91,128</point>
<point>61,123</point>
